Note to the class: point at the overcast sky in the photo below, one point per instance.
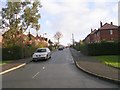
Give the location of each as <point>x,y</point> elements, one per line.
<point>75,16</point>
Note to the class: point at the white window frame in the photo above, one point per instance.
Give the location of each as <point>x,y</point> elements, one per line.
<point>111,32</point>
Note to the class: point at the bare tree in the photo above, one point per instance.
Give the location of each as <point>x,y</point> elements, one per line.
<point>57,36</point>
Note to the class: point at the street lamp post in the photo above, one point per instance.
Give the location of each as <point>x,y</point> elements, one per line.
<point>44,38</point>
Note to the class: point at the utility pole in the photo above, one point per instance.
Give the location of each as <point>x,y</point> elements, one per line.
<point>73,38</point>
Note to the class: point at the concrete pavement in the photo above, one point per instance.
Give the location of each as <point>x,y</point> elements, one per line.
<point>94,67</point>
<point>14,65</point>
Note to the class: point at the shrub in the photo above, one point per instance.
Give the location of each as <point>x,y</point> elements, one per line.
<point>17,52</point>
<point>11,53</point>
<point>104,48</point>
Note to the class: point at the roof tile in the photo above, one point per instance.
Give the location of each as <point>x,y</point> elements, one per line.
<point>108,26</point>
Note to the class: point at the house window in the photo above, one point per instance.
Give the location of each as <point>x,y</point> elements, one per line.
<point>111,32</point>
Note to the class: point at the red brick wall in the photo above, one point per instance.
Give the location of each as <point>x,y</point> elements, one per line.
<point>97,37</point>
<point>92,38</point>
<point>87,39</point>
<point>105,35</point>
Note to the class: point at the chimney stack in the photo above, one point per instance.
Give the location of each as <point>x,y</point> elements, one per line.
<point>111,23</point>
<point>100,24</point>
<point>91,30</point>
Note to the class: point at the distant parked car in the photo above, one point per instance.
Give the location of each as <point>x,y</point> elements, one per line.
<point>60,48</point>
<point>41,54</point>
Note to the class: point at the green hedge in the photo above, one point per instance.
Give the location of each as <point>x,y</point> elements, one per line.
<point>105,48</point>
<point>17,52</point>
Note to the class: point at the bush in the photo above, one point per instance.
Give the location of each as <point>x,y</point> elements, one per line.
<point>17,52</point>
<point>77,46</point>
<point>28,51</point>
<point>104,48</point>
<point>11,53</point>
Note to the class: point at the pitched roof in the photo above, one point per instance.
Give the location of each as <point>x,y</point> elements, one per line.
<point>108,26</point>
<point>93,32</point>
<point>30,35</point>
<point>23,35</point>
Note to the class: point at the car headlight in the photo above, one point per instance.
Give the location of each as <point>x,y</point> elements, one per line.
<point>33,55</point>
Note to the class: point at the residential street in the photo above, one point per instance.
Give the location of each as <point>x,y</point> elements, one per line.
<point>57,72</point>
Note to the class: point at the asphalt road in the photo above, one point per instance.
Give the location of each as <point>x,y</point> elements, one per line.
<point>57,72</point>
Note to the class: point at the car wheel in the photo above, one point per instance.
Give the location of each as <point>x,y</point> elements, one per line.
<point>50,56</point>
<point>34,60</point>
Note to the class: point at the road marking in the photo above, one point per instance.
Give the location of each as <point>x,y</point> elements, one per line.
<point>38,73</point>
<point>35,75</point>
<point>43,67</point>
<point>6,71</point>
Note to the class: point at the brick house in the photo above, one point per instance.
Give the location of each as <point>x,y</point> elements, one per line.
<point>91,38</point>
<point>36,41</point>
<point>28,39</point>
<point>106,32</point>
<point>87,39</point>
<point>41,40</point>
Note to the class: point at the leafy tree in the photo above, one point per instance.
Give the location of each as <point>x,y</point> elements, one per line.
<point>31,16</point>
<point>17,17</point>
<point>58,36</point>
<point>10,22</point>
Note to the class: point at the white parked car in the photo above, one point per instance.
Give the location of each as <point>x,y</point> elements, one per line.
<point>41,54</point>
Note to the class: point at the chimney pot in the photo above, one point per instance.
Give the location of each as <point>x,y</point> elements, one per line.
<point>100,24</point>
<point>111,23</point>
<point>91,30</point>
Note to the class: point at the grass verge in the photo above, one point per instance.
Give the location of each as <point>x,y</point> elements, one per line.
<point>112,60</point>
<point>4,62</point>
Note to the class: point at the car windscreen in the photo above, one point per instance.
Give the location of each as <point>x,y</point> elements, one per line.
<point>41,50</point>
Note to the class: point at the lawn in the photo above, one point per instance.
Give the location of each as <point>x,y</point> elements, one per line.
<point>112,60</point>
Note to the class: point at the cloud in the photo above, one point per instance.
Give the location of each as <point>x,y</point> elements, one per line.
<point>76,17</point>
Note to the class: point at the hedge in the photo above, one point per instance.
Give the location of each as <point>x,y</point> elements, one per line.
<point>17,52</point>
<point>106,48</point>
